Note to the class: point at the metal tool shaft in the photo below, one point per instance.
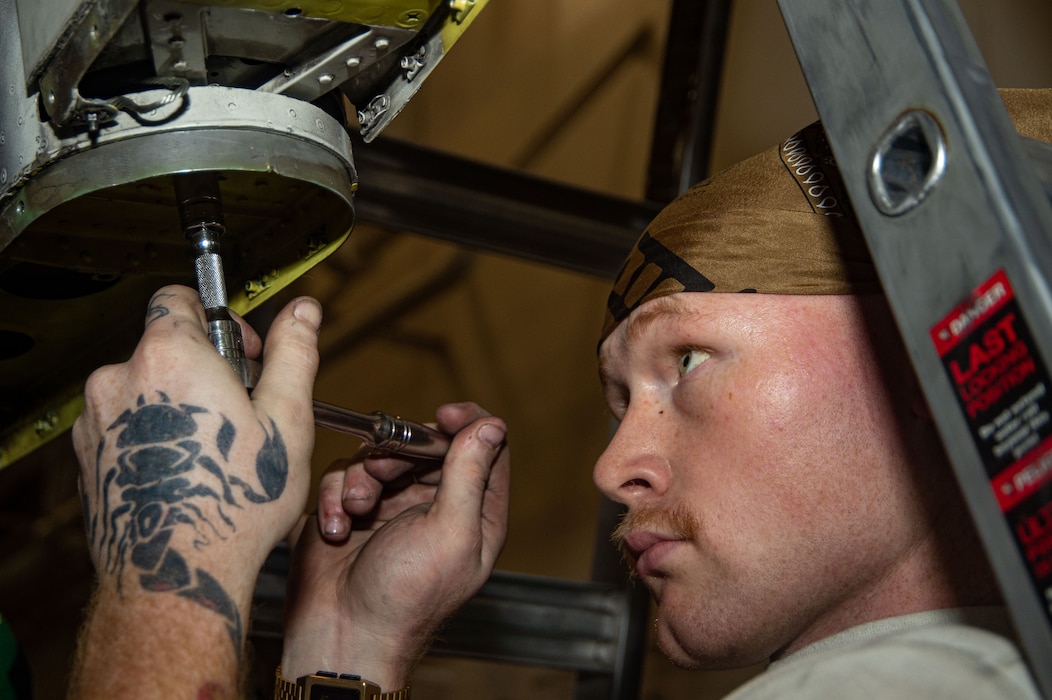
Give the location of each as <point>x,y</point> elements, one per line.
<point>382,431</point>
<point>201,215</point>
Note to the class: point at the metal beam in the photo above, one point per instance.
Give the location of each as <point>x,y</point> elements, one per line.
<point>686,113</point>
<point>484,207</point>
<point>514,618</point>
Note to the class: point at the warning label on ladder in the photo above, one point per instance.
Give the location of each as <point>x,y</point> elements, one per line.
<point>1004,390</point>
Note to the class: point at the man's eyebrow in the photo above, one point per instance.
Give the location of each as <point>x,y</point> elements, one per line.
<point>642,319</point>
<point>637,326</point>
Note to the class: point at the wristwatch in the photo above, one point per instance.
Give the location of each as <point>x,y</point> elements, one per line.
<point>329,685</point>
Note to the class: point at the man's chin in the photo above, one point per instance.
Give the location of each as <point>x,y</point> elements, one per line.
<point>702,654</point>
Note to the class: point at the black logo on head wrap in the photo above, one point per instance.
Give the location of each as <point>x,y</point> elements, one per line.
<point>670,270</point>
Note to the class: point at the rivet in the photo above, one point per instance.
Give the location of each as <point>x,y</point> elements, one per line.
<point>46,423</point>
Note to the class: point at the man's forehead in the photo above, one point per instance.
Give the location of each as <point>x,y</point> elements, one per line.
<point>717,310</point>
<point>685,307</point>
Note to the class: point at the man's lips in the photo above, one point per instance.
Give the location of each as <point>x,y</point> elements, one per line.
<point>649,549</point>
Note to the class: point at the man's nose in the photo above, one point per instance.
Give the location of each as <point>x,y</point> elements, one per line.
<point>633,468</point>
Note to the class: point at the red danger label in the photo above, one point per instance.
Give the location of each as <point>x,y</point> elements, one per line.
<point>987,299</point>
<point>1003,389</point>
<point>1001,384</point>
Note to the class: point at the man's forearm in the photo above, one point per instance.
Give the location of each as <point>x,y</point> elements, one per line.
<point>154,645</point>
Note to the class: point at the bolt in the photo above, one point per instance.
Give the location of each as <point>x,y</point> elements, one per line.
<point>46,423</point>
<point>381,43</point>
<point>326,79</point>
<point>461,9</point>
<point>354,61</point>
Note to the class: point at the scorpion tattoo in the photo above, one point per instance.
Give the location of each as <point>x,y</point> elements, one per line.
<point>165,478</point>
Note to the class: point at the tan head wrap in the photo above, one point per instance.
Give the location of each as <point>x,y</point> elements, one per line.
<point>777,223</point>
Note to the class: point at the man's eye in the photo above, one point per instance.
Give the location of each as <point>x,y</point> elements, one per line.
<point>691,359</point>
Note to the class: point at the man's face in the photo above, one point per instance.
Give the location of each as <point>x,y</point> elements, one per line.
<point>763,469</point>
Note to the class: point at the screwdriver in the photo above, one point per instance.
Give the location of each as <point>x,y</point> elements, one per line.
<point>201,216</point>
<point>384,432</point>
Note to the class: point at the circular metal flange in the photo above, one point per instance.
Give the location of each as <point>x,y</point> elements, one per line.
<point>219,129</point>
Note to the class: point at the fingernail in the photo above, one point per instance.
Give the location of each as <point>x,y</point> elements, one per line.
<point>333,526</point>
<point>356,493</point>
<point>491,434</point>
<point>308,312</point>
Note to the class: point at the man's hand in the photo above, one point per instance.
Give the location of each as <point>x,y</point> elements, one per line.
<point>395,549</point>
<point>187,483</point>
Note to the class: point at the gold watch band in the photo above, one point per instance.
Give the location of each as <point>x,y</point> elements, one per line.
<point>292,690</point>
<point>285,690</point>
